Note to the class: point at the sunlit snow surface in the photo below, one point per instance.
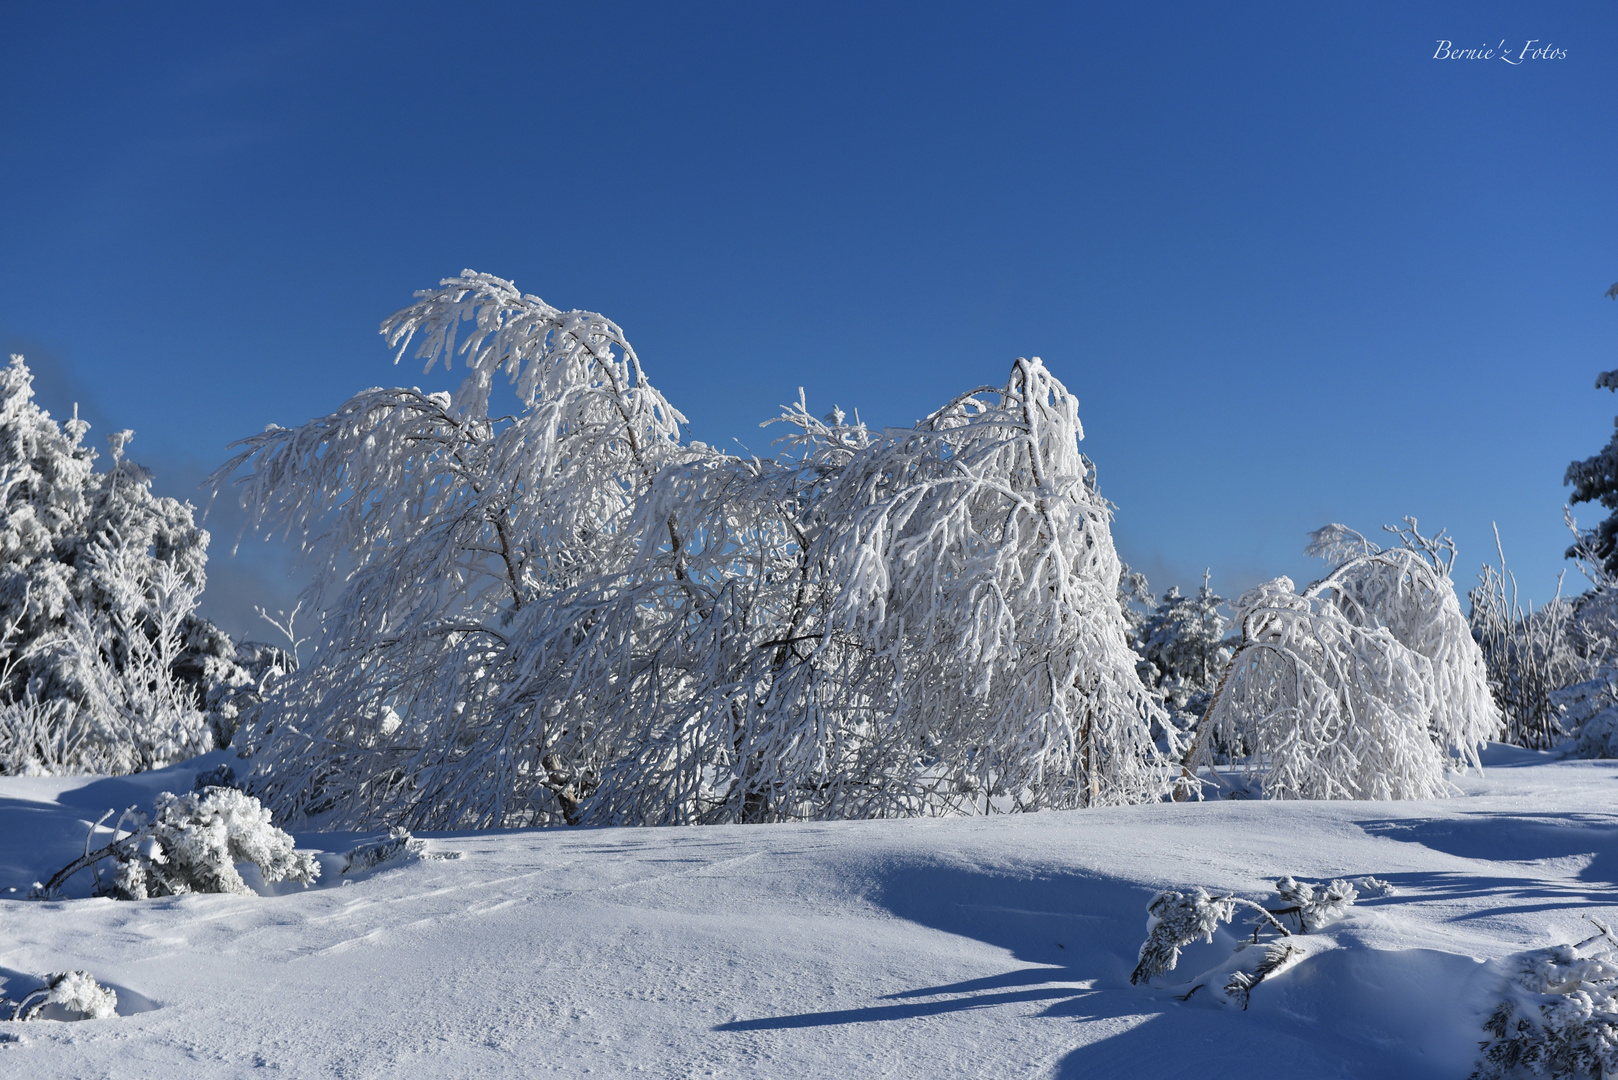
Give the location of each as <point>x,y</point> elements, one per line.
<point>987,947</point>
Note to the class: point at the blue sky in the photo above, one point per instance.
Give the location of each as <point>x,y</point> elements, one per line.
<point>1295,269</point>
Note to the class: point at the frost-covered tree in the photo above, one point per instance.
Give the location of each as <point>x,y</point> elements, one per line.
<point>1366,685</point>
<point>1533,655</point>
<point>103,664</point>
<point>568,613</point>
<point>1182,639</point>
<point>1595,479</point>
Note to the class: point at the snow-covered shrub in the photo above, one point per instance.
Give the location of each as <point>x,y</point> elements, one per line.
<point>1177,919</point>
<point>1598,736</point>
<point>570,614</point>
<point>397,846</point>
<point>1315,906</point>
<point>1558,1017</point>
<point>1589,710</point>
<point>1373,886</point>
<point>75,992</point>
<point>1366,685</point>
<point>193,843</point>
<point>98,581</point>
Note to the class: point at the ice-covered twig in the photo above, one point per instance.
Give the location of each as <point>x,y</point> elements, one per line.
<point>75,991</point>
<point>53,886</point>
<point>1277,955</point>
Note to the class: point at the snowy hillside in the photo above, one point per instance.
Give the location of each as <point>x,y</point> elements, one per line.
<point>962,947</point>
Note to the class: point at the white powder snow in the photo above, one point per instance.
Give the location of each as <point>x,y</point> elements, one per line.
<point>963,947</point>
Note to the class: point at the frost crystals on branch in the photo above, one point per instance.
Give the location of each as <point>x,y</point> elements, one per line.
<point>1367,685</point>
<point>569,614</point>
<point>1176,920</point>
<point>104,665</point>
<point>75,993</point>
<point>1558,1016</point>
<point>192,843</point>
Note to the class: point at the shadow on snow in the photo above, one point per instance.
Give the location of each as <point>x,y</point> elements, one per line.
<point>1076,937</point>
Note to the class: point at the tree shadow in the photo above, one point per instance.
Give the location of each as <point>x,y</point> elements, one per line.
<point>1519,837</point>
<point>1075,937</point>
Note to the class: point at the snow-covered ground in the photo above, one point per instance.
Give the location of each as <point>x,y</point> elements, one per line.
<point>985,947</point>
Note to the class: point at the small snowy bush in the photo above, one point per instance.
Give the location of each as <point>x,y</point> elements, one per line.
<point>1366,685</point>
<point>76,992</point>
<point>1177,919</point>
<point>1598,736</point>
<point>398,845</point>
<point>192,843</point>
<point>1315,906</point>
<point>1559,1016</point>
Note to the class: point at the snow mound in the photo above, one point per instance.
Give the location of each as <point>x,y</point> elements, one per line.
<point>912,948</point>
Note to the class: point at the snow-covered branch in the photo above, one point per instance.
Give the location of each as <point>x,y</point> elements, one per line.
<point>1367,684</point>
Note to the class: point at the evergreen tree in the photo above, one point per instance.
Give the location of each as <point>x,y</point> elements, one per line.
<point>1183,638</point>
<point>1595,479</point>
<point>104,665</point>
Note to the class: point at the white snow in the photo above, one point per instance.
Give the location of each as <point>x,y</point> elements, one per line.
<point>962,947</point>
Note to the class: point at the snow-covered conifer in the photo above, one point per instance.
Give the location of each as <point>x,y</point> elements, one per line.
<point>76,993</point>
<point>1183,639</point>
<point>570,614</point>
<point>1558,1016</point>
<point>193,843</point>
<point>1595,479</point>
<point>99,658</point>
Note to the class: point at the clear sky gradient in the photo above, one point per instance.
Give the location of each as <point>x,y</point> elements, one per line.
<point>1295,269</point>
